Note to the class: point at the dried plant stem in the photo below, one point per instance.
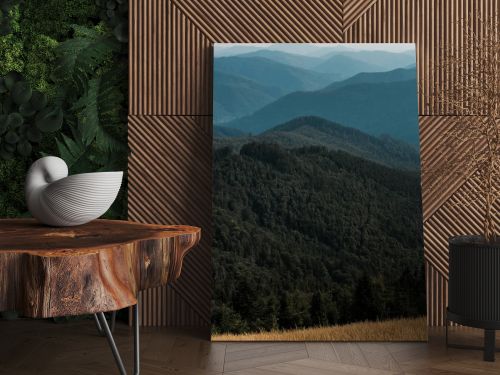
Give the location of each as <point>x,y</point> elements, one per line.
<point>471,96</point>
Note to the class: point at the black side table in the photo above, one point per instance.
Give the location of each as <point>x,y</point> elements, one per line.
<point>474,288</point>
<point>489,335</point>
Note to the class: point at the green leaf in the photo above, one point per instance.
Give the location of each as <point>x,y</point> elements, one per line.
<point>11,78</point>
<point>80,56</point>
<point>24,148</point>
<point>121,32</point>
<point>14,120</point>
<point>3,88</point>
<point>11,137</point>
<point>98,114</point>
<point>9,147</point>
<point>27,109</point>
<point>21,92</point>
<point>38,100</point>
<point>3,123</point>
<point>4,154</point>
<point>33,134</point>
<point>49,119</point>
<point>74,152</point>
<point>8,105</point>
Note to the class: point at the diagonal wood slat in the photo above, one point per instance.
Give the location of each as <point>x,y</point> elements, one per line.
<point>170,163</point>
<point>353,10</point>
<point>263,21</point>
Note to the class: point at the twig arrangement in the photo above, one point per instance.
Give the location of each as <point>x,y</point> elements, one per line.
<point>470,95</point>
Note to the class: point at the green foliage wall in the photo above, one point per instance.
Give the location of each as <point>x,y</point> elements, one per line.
<point>63,91</point>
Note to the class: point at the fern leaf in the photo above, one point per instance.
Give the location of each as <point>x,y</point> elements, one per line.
<point>80,56</point>
<point>74,153</point>
<point>98,112</point>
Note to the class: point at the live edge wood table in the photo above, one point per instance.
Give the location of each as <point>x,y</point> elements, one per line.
<point>89,269</point>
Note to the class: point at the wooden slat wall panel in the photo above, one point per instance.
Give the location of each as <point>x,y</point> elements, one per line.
<point>175,62</point>
<point>264,21</point>
<point>431,26</point>
<point>170,163</point>
<point>171,104</point>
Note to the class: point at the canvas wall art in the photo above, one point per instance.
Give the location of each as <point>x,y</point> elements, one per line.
<point>316,193</point>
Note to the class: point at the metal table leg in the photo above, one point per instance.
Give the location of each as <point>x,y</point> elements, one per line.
<point>489,345</point>
<point>103,325</point>
<point>113,324</point>
<point>488,349</point>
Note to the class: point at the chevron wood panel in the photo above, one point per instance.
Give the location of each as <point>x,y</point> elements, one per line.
<point>170,62</point>
<point>264,21</point>
<point>354,9</point>
<point>170,169</point>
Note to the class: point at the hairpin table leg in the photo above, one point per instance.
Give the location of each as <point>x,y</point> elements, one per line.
<point>98,325</point>
<point>102,324</point>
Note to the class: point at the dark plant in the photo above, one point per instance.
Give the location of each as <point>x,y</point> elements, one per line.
<point>115,13</point>
<point>5,8</point>
<point>24,116</point>
<point>90,92</point>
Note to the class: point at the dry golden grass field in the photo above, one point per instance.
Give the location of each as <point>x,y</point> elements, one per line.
<point>414,329</point>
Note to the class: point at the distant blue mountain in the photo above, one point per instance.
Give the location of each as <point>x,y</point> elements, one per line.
<point>395,75</point>
<point>292,59</point>
<point>380,104</point>
<point>346,66</point>
<point>381,59</point>
<point>271,73</point>
<point>235,96</point>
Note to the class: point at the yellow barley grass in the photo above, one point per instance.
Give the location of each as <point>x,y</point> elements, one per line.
<point>411,329</point>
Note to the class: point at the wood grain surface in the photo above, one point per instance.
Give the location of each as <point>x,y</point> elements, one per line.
<point>99,266</point>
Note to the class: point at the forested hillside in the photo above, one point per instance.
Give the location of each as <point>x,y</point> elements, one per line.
<point>311,236</point>
<point>316,131</point>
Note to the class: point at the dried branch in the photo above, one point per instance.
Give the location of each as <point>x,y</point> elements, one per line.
<point>471,95</point>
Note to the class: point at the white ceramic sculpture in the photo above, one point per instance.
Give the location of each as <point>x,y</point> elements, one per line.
<point>56,199</point>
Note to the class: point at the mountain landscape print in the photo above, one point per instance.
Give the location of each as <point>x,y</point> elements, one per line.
<point>316,194</point>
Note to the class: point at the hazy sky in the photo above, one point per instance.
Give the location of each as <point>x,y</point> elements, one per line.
<point>312,49</point>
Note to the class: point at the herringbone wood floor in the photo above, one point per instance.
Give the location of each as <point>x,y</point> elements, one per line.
<point>42,347</point>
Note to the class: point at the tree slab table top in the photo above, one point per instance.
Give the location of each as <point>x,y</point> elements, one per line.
<point>100,266</point>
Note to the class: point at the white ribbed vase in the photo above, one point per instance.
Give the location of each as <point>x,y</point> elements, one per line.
<point>56,199</point>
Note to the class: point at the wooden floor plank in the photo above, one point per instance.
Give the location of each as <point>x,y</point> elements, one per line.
<point>350,354</point>
<point>319,367</point>
<point>378,356</point>
<point>265,351</point>
<point>29,347</point>
<point>265,360</point>
<point>323,351</point>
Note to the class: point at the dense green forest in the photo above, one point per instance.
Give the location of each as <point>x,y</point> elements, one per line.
<point>313,236</point>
